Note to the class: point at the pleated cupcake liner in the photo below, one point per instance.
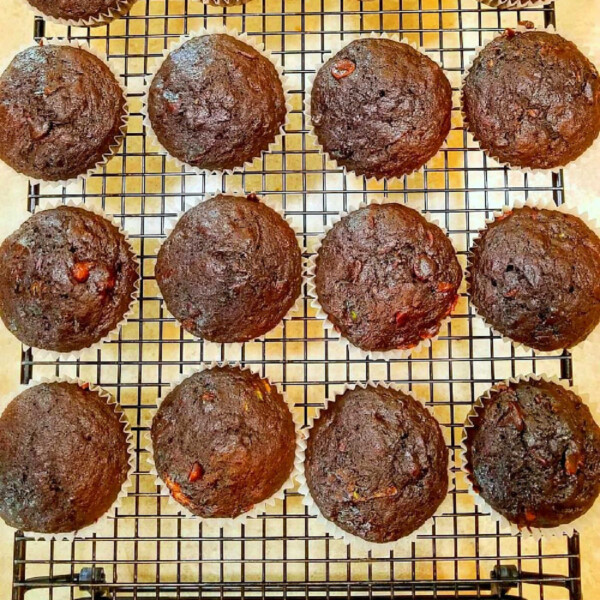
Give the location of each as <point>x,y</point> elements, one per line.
<point>587,521</point>
<point>250,41</point>
<point>56,186</point>
<point>294,310</point>
<point>52,355</point>
<point>357,543</point>
<point>225,3</point>
<point>334,49</point>
<point>89,530</point>
<point>102,18</point>
<point>487,40</point>
<point>593,338</point>
<point>332,331</point>
<point>258,509</point>
<point>516,4</point>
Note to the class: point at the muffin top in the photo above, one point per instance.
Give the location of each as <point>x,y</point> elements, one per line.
<point>230,270</point>
<point>61,109</point>
<point>386,277</point>
<point>534,454</point>
<point>532,99</point>
<point>67,277</point>
<point>76,10</point>
<point>63,458</point>
<point>223,441</point>
<point>376,464</point>
<point>535,277</point>
<point>381,108</point>
<point>216,102</point>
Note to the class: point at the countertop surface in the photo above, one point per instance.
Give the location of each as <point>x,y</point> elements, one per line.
<point>582,189</point>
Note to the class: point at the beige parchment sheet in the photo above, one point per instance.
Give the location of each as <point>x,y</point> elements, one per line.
<point>575,18</point>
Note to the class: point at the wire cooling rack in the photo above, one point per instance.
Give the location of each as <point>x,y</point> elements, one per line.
<point>147,550</point>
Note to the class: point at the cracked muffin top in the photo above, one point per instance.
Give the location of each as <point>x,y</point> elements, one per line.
<point>376,463</point>
<point>216,102</point>
<point>386,277</point>
<point>533,453</point>
<point>381,108</point>
<point>67,279</point>
<point>535,277</point>
<point>532,99</point>
<point>61,111</point>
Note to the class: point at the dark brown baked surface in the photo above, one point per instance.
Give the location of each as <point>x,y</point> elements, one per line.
<point>63,458</point>
<point>61,110</point>
<point>376,464</point>
<point>532,99</point>
<point>381,108</point>
<point>67,277</point>
<point>223,440</point>
<point>386,277</point>
<point>230,270</point>
<point>216,102</point>
<point>76,10</point>
<point>535,277</point>
<point>534,454</point>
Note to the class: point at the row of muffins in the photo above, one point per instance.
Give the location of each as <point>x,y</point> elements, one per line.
<point>384,277</point>
<point>101,12</point>
<point>378,107</point>
<point>373,463</point>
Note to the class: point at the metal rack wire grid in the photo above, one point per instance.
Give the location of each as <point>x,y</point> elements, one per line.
<point>148,550</point>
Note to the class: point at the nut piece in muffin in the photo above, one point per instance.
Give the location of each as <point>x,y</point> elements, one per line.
<point>381,108</point>
<point>230,270</point>
<point>216,103</point>
<point>386,277</point>
<point>63,458</point>
<point>223,440</point>
<point>535,277</point>
<point>533,453</point>
<point>61,112</point>
<point>532,100</point>
<point>67,279</point>
<point>376,463</point>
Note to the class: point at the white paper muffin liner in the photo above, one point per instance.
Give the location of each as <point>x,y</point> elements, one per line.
<point>333,333</point>
<point>587,521</point>
<point>104,18</point>
<point>539,203</point>
<point>57,186</point>
<point>53,356</point>
<point>89,530</point>
<point>225,3</point>
<point>358,543</point>
<point>487,40</point>
<point>335,47</point>
<point>258,509</point>
<point>250,41</point>
<point>515,4</point>
<point>294,310</point>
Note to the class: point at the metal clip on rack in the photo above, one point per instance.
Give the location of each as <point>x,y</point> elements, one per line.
<point>147,551</point>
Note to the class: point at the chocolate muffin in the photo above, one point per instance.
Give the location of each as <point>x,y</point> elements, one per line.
<point>381,108</point>
<point>533,454</point>
<point>61,111</point>
<point>67,278</point>
<point>216,103</point>
<point>230,270</point>
<point>223,441</point>
<point>535,278</point>
<point>532,99</point>
<point>63,458</point>
<point>386,277</point>
<point>93,12</point>
<point>376,464</point>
